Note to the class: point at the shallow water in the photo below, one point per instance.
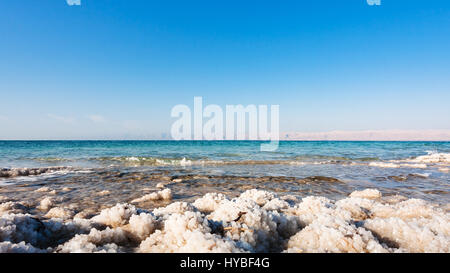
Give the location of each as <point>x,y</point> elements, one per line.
<point>44,153</point>
<point>127,168</point>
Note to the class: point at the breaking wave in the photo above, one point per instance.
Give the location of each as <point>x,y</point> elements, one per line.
<point>420,162</point>
<point>432,157</point>
<point>139,160</point>
<point>441,160</point>
<point>396,165</point>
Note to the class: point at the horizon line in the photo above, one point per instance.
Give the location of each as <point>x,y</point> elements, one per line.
<point>233,140</point>
<point>335,135</point>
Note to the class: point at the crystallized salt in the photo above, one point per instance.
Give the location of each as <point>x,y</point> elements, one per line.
<point>255,221</point>
<point>45,204</point>
<point>43,189</point>
<point>58,212</point>
<point>115,216</point>
<point>165,194</point>
<point>367,193</point>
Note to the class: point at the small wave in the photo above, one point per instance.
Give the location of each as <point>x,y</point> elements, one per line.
<point>298,160</point>
<point>153,161</point>
<point>397,165</point>
<point>139,160</point>
<point>402,178</point>
<point>433,157</point>
<point>384,165</point>
<point>321,157</point>
<point>17,172</point>
<point>420,162</point>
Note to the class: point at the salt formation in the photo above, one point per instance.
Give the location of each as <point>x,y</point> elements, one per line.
<point>25,233</point>
<point>45,204</point>
<point>115,216</point>
<point>43,189</point>
<point>329,233</point>
<point>46,189</point>
<point>188,232</point>
<point>255,221</point>
<point>165,194</point>
<point>12,207</point>
<point>103,193</point>
<point>209,202</point>
<point>142,225</point>
<point>59,213</point>
<point>8,247</point>
<point>367,193</point>
<point>95,242</point>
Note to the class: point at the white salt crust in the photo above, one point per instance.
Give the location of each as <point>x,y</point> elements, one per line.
<point>256,221</point>
<point>45,204</point>
<point>43,189</point>
<point>165,194</point>
<point>103,193</point>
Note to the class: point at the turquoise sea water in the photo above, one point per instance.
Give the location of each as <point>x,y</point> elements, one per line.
<point>37,153</point>
<point>416,169</point>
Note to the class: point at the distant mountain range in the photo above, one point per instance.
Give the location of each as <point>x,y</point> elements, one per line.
<point>426,135</point>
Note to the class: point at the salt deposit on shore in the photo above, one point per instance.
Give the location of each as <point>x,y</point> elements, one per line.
<point>256,221</point>
<point>165,194</point>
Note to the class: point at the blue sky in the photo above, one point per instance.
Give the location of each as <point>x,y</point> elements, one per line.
<point>114,69</point>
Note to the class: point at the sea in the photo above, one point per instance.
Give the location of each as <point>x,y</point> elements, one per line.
<point>126,169</point>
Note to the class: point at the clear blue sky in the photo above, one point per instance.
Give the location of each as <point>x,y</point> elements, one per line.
<point>114,69</point>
